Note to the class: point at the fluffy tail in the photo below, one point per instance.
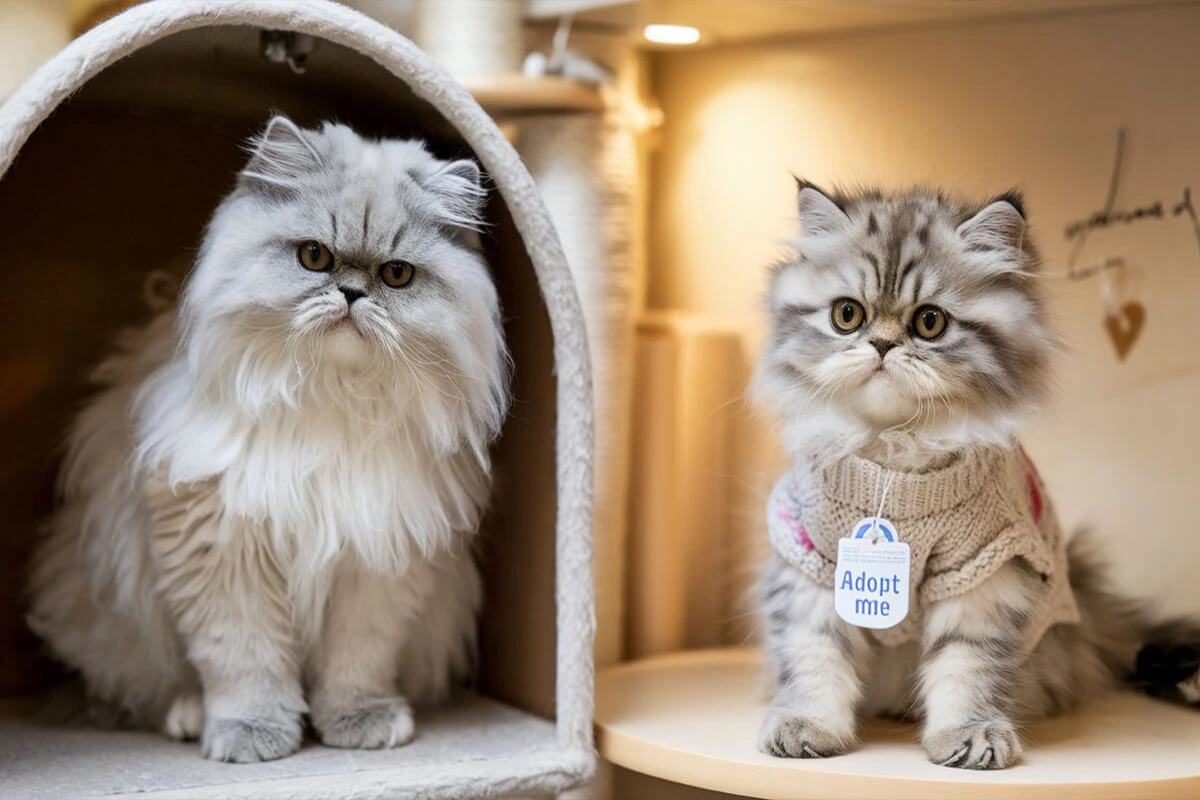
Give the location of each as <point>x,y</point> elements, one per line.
<point>1168,666</point>
<point>1160,658</point>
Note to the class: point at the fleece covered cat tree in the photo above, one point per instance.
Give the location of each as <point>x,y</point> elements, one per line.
<point>111,157</point>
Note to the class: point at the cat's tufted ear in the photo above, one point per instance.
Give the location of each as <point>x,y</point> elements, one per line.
<point>280,155</point>
<point>458,188</point>
<point>819,215</point>
<point>998,226</point>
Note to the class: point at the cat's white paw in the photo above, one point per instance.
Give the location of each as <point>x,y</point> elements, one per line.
<point>367,723</point>
<point>185,720</point>
<point>262,738</point>
<point>990,744</point>
<point>793,736</point>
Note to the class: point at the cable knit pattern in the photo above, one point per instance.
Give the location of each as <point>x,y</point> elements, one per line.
<point>962,523</point>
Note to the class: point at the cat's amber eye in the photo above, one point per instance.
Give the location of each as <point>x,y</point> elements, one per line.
<point>929,322</point>
<point>314,256</point>
<point>847,315</point>
<point>397,274</point>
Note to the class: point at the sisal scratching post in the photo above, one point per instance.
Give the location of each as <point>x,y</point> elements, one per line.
<point>585,169</point>
<point>470,38</point>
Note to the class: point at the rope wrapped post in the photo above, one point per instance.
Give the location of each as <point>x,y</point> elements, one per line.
<point>585,169</point>
<point>472,37</point>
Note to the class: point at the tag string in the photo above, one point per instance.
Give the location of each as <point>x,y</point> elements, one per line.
<point>883,499</point>
<point>887,484</point>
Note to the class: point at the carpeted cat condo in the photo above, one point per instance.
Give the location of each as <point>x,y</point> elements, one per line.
<point>111,158</point>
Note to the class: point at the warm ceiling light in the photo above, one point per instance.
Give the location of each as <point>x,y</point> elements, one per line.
<point>671,34</point>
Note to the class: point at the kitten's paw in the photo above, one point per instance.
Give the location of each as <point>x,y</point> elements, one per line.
<point>253,739</point>
<point>791,736</point>
<point>989,744</point>
<point>185,720</point>
<point>367,723</point>
<point>1190,688</point>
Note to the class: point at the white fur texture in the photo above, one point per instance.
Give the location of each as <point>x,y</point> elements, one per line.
<point>270,501</point>
<point>547,771</point>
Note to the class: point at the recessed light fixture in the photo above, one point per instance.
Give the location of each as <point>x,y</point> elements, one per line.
<point>671,34</point>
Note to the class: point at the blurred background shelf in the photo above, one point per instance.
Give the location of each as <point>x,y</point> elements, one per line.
<point>519,94</point>
<point>693,718</point>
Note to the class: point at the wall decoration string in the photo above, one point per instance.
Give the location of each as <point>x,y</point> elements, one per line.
<point>1124,315</point>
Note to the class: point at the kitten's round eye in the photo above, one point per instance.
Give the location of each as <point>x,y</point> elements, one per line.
<point>314,256</point>
<point>847,315</point>
<point>397,274</point>
<point>929,322</point>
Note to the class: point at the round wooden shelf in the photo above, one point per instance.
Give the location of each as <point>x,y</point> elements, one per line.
<point>692,718</point>
<point>519,94</point>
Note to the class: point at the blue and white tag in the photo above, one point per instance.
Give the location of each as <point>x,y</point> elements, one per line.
<point>871,583</point>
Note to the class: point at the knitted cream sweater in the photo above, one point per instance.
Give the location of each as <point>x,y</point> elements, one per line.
<point>961,523</point>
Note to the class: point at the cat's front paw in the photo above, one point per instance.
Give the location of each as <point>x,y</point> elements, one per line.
<point>367,723</point>
<point>987,744</point>
<point>793,736</point>
<point>185,720</point>
<point>245,741</point>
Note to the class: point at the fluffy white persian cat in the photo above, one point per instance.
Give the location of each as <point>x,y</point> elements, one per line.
<point>268,505</point>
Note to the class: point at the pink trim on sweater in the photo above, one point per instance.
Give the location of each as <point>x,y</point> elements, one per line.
<point>801,533</point>
<point>1035,490</point>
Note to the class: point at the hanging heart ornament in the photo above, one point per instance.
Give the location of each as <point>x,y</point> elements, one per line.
<point>1124,316</point>
<point>1125,326</point>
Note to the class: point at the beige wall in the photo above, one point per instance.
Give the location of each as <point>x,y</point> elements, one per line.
<point>976,108</point>
<point>31,33</point>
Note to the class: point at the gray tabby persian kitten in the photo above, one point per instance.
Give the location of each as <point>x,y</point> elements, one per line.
<point>909,346</point>
<point>268,506</point>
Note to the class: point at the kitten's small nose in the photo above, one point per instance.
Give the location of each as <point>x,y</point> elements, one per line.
<point>882,345</point>
<point>351,294</point>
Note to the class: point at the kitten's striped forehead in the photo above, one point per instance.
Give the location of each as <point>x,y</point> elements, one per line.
<point>896,238</point>
<point>894,254</point>
<point>900,250</point>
